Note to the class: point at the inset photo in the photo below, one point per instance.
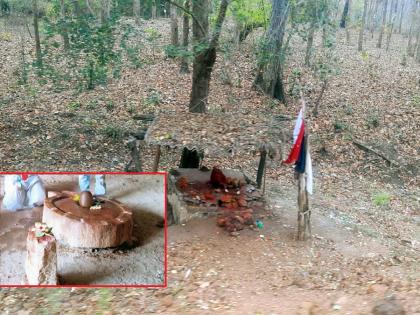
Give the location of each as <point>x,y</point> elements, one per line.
<point>83,229</point>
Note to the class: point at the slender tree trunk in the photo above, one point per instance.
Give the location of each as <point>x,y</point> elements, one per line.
<point>270,72</point>
<point>204,57</point>
<point>64,28</point>
<point>105,11</point>
<point>418,43</point>
<point>344,16</point>
<point>310,43</point>
<point>77,10</point>
<point>388,39</point>
<point>36,31</point>
<point>137,10</point>
<point>362,27</point>
<point>174,26</point>
<point>154,10</point>
<point>379,45</point>
<point>185,35</point>
<point>410,48</point>
<point>391,11</point>
<point>401,17</point>
<point>374,18</point>
<point>90,8</point>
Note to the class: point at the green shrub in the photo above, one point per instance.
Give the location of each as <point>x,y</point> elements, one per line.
<point>381,199</point>
<point>114,132</point>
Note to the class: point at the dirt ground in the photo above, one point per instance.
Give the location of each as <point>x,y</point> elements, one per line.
<point>144,264</point>
<point>352,262</point>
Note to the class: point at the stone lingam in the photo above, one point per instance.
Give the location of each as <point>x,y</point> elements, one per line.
<point>41,256</point>
<point>76,223</point>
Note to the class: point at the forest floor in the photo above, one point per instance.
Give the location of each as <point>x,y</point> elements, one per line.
<point>365,212</point>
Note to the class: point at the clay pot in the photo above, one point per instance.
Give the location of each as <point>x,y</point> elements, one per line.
<point>86,199</point>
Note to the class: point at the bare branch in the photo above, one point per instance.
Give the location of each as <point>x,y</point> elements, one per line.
<point>189,13</point>
<point>219,22</point>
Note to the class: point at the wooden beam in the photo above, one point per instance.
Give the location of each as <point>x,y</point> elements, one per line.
<point>261,167</point>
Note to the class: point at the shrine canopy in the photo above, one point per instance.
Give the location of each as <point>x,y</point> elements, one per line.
<point>218,134</point>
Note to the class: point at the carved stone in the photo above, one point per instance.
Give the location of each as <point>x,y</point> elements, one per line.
<point>76,226</point>
<point>41,260</point>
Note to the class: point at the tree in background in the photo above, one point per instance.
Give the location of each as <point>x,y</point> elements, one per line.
<point>137,10</point>
<point>185,38</point>
<point>344,16</point>
<point>36,32</point>
<point>362,26</point>
<point>270,69</point>
<point>204,52</point>
<point>381,33</point>
<point>174,25</point>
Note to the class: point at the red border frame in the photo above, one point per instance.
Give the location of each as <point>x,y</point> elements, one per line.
<point>165,277</point>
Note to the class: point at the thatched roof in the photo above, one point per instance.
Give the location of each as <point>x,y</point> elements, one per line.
<point>217,134</point>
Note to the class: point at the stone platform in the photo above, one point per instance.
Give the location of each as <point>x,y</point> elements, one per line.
<point>76,226</point>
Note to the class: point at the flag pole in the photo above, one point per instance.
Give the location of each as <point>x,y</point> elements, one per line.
<point>304,213</point>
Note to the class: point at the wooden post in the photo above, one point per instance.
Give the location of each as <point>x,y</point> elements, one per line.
<point>157,159</point>
<point>135,156</point>
<point>261,167</point>
<point>304,213</point>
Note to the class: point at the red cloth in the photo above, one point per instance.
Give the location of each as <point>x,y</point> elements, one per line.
<point>24,176</point>
<point>294,154</point>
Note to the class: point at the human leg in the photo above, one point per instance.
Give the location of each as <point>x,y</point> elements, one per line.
<point>84,182</point>
<point>14,193</point>
<point>100,186</point>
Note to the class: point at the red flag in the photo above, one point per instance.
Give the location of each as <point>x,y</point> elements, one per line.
<point>294,154</point>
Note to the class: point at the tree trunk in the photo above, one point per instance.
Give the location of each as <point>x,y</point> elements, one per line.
<point>137,10</point>
<point>310,43</point>
<point>185,35</point>
<point>174,26</point>
<point>154,10</point>
<point>270,72</point>
<point>105,11</point>
<point>64,27</point>
<point>388,40</point>
<point>374,18</point>
<point>344,16</point>
<point>418,43</point>
<point>410,48</point>
<point>401,16</point>
<point>36,31</point>
<point>204,57</point>
<point>379,45</point>
<point>76,6</point>
<point>362,27</point>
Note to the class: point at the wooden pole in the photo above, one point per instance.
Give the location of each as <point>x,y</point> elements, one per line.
<point>304,213</point>
<point>157,159</point>
<point>261,166</point>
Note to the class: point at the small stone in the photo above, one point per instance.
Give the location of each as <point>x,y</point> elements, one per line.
<point>167,300</point>
<point>234,234</point>
<point>377,288</point>
<point>309,308</point>
<point>388,306</point>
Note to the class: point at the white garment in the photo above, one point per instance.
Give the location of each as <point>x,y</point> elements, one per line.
<point>19,193</point>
